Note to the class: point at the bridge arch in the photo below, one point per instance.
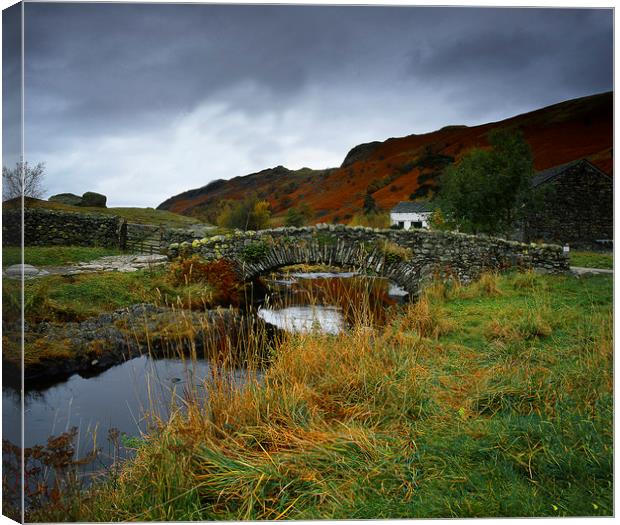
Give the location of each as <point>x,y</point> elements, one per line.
<point>364,257</point>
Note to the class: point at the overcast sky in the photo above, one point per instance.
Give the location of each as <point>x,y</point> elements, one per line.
<point>141,102</point>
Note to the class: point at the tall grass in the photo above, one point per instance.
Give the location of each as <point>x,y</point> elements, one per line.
<point>488,400</point>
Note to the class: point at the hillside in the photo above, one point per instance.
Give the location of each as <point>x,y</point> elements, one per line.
<point>134,215</point>
<point>409,167</point>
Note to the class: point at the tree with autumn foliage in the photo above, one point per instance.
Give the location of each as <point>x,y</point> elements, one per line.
<point>298,216</point>
<point>247,214</point>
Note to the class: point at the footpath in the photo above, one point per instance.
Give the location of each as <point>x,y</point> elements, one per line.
<point>110,263</point>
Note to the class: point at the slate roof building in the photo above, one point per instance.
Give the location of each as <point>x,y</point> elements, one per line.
<point>575,207</point>
<point>408,215</point>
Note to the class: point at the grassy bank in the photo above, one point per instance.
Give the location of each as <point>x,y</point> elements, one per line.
<point>592,259</point>
<point>132,214</point>
<point>54,255</point>
<point>488,400</point>
<point>186,284</point>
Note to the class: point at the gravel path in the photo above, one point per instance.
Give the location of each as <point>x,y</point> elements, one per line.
<point>110,263</point>
<point>580,270</point>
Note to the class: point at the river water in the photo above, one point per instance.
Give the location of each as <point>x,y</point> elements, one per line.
<point>119,397</point>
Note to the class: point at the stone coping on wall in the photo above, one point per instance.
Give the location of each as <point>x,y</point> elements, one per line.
<point>250,234</point>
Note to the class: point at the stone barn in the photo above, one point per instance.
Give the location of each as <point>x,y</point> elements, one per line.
<point>575,207</point>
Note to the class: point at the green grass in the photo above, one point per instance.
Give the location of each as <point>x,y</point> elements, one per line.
<point>153,216</point>
<point>488,400</point>
<point>592,259</point>
<point>54,255</point>
<point>75,298</point>
<point>136,215</point>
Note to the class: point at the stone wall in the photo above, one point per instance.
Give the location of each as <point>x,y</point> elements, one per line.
<point>576,209</point>
<point>406,257</point>
<point>44,227</point>
<point>178,235</point>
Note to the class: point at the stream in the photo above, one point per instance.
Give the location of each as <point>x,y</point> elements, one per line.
<point>119,397</point>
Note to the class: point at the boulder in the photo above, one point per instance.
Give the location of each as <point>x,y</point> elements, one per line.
<point>15,271</point>
<point>66,198</point>
<point>95,200</point>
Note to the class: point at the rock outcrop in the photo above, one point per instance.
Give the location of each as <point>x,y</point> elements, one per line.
<point>93,200</point>
<point>66,198</point>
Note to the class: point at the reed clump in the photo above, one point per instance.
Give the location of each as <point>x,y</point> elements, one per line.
<point>426,318</point>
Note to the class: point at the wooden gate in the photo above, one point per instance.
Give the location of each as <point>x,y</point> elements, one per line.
<point>143,239</point>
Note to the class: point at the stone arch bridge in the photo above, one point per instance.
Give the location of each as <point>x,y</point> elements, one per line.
<point>406,257</point>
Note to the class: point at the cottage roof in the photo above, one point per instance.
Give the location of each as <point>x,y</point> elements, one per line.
<point>546,175</point>
<point>413,207</point>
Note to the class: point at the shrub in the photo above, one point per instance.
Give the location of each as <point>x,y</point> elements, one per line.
<point>219,274</point>
<point>298,216</point>
<point>254,251</point>
<point>432,159</point>
<point>370,220</point>
<point>423,191</point>
<point>394,253</point>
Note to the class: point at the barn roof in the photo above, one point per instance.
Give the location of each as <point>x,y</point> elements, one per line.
<point>413,207</point>
<point>546,175</point>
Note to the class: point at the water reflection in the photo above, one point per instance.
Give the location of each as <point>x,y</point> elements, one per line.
<point>126,397</point>
<point>304,319</point>
<point>327,301</point>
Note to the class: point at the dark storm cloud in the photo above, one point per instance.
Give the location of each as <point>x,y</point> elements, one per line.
<point>574,45</point>
<point>160,57</point>
<point>117,91</point>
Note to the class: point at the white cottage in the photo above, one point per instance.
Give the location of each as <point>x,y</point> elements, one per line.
<point>411,214</point>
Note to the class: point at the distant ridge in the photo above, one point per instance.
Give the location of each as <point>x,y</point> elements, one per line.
<point>405,168</point>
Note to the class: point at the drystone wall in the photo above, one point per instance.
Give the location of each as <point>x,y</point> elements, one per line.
<point>43,227</point>
<point>576,209</point>
<point>178,235</point>
<point>407,257</point>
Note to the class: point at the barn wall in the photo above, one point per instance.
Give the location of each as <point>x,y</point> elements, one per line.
<point>576,208</point>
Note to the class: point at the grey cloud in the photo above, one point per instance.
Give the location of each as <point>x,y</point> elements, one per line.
<point>11,85</point>
<point>101,75</point>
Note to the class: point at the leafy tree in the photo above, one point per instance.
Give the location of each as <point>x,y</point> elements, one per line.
<point>298,216</point>
<point>248,214</point>
<point>370,206</point>
<point>23,179</point>
<point>260,216</point>
<point>438,221</point>
<point>489,189</point>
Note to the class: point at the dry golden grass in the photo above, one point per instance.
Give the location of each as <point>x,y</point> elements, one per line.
<point>426,318</point>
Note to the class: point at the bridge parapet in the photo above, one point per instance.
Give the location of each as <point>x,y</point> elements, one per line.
<point>406,257</point>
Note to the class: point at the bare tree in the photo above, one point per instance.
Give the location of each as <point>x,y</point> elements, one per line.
<point>23,178</point>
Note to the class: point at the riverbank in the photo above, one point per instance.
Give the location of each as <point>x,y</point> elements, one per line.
<point>488,400</point>
<point>86,322</point>
<point>55,351</point>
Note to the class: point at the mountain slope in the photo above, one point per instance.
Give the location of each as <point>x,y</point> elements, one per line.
<point>409,167</point>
